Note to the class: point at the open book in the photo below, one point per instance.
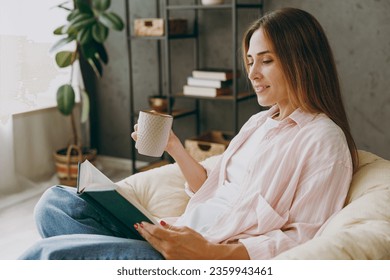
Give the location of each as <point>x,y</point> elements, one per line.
<point>95,188</point>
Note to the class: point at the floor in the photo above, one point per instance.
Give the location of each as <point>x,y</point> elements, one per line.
<point>17,226</point>
<point>17,229</point>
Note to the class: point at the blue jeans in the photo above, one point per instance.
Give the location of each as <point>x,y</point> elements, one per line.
<point>73,229</point>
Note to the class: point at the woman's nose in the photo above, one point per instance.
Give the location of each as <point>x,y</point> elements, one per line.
<point>254,73</point>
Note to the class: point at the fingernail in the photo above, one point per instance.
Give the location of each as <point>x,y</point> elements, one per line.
<point>163,223</point>
<point>141,225</point>
<point>136,226</point>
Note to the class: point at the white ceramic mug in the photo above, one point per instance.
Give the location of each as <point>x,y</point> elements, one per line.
<point>153,133</point>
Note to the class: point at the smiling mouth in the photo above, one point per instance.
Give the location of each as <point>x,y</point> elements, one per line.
<point>260,89</point>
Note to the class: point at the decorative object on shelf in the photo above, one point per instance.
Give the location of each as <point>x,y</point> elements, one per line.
<point>209,82</point>
<point>89,22</point>
<point>155,27</point>
<point>208,144</point>
<point>205,91</point>
<point>212,2</point>
<point>214,73</point>
<point>177,26</point>
<point>198,82</point>
<point>149,27</point>
<point>160,103</point>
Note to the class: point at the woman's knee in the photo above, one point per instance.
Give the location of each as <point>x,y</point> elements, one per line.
<point>53,200</point>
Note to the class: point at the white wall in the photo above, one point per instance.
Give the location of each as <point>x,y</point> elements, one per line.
<point>37,135</point>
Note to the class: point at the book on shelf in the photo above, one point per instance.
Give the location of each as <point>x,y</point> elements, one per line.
<point>123,210</point>
<point>191,81</point>
<point>213,73</point>
<point>205,91</point>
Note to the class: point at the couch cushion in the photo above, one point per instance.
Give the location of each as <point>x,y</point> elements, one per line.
<point>361,230</point>
<point>160,190</point>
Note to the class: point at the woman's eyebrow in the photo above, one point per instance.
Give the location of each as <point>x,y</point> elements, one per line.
<point>260,53</point>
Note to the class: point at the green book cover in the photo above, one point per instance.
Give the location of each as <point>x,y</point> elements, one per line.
<point>95,188</point>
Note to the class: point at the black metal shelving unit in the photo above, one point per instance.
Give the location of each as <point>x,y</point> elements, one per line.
<point>163,11</point>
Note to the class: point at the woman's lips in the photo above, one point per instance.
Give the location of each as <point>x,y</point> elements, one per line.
<point>260,89</point>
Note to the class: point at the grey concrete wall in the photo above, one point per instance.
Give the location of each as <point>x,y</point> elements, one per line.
<point>358,30</point>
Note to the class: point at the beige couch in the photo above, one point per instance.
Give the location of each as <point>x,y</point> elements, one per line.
<point>359,231</point>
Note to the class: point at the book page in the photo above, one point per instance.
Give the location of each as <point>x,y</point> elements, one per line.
<point>92,179</point>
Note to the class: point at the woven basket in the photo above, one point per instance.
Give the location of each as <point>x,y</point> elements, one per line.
<point>155,26</point>
<point>67,163</point>
<point>209,144</point>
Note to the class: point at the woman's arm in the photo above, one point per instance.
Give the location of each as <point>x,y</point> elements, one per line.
<point>194,173</point>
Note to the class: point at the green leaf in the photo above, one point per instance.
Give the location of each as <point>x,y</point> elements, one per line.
<point>65,99</point>
<point>96,66</point>
<point>59,30</point>
<point>83,6</point>
<point>95,50</point>
<point>101,5</point>
<point>89,50</point>
<point>72,15</point>
<point>101,53</point>
<point>99,32</point>
<point>111,20</point>
<point>85,106</point>
<point>74,24</point>
<point>65,58</point>
<point>80,17</point>
<point>84,36</point>
<point>82,24</point>
<point>61,43</point>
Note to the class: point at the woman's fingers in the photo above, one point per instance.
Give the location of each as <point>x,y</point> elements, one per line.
<point>168,226</point>
<point>134,133</point>
<point>175,242</point>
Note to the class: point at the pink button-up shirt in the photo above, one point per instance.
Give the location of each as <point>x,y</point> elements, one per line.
<point>298,178</point>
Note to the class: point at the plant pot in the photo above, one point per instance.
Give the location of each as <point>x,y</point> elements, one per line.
<point>67,160</point>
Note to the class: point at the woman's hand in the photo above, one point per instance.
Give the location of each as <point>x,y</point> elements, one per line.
<point>173,140</point>
<point>194,172</point>
<point>134,133</point>
<point>176,243</point>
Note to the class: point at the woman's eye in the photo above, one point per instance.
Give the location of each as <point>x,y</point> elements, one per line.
<point>267,61</point>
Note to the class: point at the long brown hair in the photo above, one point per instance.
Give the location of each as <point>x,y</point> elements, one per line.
<point>308,64</point>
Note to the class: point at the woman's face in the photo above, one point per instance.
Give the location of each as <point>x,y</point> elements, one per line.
<point>265,72</point>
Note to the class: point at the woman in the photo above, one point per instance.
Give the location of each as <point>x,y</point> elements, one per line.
<point>281,178</point>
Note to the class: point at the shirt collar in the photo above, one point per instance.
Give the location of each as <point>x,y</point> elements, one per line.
<point>298,116</point>
<point>301,118</point>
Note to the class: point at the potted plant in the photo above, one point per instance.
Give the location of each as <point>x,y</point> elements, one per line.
<point>87,28</point>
